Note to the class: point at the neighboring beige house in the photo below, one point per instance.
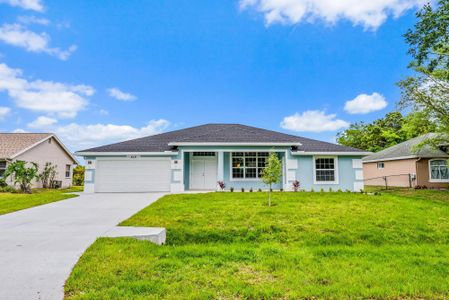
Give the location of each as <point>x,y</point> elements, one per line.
<point>404,166</point>
<point>39,148</point>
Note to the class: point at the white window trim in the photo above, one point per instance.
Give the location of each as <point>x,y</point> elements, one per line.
<point>6,167</point>
<point>430,172</point>
<point>336,181</point>
<point>383,165</point>
<point>70,171</point>
<point>231,178</point>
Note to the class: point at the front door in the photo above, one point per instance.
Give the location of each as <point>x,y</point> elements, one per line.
<point>203,171</point>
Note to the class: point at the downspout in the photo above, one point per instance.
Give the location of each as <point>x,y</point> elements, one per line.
<point>416,168</point>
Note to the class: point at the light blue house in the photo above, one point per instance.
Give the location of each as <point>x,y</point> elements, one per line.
<point>197,158</point>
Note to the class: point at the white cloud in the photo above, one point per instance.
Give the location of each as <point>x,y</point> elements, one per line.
<point>54,98</point>
<point>120,95</point>
<point>33,20</point>
<point>19,36</point>
<point>19,130</point>
<point>363,104</point>
<point>103,112</point>
<point>4,112</point>
<point>35,5</point>
<point>42,122</point>
<point>368,13</point>
<point>79,136</point>
<point>313,121</point>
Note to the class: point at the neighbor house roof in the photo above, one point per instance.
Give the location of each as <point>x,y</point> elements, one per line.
<point>219,134</point>
<point>14,144</point>
<point>408,149</point>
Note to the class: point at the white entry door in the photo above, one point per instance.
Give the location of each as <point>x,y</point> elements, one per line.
<point>203,173</point>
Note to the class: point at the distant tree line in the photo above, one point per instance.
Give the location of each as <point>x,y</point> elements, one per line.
<point>392,129</point>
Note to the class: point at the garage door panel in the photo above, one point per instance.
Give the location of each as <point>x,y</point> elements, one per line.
<point>137,175</point>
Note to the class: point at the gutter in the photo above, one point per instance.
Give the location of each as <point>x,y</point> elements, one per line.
<point>348,153</point>
<point>167,153</point>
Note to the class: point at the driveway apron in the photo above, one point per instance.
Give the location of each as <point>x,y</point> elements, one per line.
<point>39,246</point>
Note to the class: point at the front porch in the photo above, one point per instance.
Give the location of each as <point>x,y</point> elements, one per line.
<point>237,169</point>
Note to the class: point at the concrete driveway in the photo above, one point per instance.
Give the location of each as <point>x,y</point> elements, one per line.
<point>39,246</point>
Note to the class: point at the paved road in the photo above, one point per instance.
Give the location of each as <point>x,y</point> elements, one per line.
<point>39,246</point>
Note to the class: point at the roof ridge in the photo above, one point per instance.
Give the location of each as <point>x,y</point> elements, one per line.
<point>209,132</point>
<point>20,133</point>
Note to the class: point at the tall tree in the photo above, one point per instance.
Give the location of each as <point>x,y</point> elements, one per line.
<point>428,89</point>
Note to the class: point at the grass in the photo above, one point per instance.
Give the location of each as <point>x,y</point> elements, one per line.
<point>309,245</point>
<point>10,202</point>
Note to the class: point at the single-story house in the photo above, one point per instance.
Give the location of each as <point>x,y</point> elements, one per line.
<point>407,165</point>
<point>197,158</point>
<point>39,148</point>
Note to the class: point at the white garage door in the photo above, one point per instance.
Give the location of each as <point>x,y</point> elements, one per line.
<point>133,175</point>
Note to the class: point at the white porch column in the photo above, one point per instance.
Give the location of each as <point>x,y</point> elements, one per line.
<point>220,167</point>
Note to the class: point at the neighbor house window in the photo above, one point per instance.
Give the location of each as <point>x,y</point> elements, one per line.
<point>2,168</point>
<point>248,165</point>
<point>67,171</point>
<point>380,165</point>
<point>325,169</point>
<point>438,170</point>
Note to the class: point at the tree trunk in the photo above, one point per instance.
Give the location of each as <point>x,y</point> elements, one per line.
<point>269,196</point>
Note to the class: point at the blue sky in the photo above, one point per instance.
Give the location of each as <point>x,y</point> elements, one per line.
<point>96,72</point>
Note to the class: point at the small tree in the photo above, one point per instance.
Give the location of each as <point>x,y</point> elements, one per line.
<point>48,175</point>
<point>272,173</point>
<point>22,175</point>
<point>78,175</point>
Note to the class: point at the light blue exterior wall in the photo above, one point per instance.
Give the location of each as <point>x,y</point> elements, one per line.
<point>302,170</point>
<point>346,174</point>
<point>236,184</point>
<point>246,184</point>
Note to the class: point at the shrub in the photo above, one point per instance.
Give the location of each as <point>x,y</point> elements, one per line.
<point>243,190</point>
<point>22,175</point>
<point>312,190</point>
<point>221,184</point>
<point>7,189</point>
<point>251,190</point>
<point>295,185</point>
<point>231,189</point>
<point>330,190</point>
<point>321,190</point>
<point>259,190</point>
<point>48,174</point>
<point>3,183</point>
<point>78,175</point>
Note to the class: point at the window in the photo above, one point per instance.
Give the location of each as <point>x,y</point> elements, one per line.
<point>248,165</point>
<point>67,171</point>
<point>2,168</point>
<point>203,153</point>
<point>438,170</point>
<point>380,165</point>
<point>325,170</point>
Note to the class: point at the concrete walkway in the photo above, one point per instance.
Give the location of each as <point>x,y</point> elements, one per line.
<point>39,246</point>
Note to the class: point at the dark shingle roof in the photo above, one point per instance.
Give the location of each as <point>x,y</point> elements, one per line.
<point>408,149</point>
<point>219,133</point>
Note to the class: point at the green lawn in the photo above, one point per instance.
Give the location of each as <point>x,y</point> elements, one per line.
<point>308,245</point>
<point>10,202</point>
